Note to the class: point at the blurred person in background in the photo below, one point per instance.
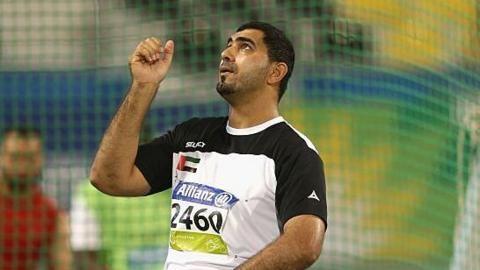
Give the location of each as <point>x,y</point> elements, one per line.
<point>119,233</point>
<point>466,255</point>
<point>248,190</point>
<point>32,228</point>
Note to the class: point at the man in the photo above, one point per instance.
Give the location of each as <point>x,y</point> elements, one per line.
<point>248,191</point>
<point>31,226</point>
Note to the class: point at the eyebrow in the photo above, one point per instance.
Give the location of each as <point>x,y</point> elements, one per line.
<point>244,39</point>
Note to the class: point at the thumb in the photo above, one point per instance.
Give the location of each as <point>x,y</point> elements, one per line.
<point>168,51</point>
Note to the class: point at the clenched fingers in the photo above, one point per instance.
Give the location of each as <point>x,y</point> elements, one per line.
<point>149,50</point>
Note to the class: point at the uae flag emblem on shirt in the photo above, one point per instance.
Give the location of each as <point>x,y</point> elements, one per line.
<point>187,164</point>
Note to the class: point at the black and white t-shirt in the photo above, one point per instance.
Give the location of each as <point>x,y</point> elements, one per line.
<point>232,189</point>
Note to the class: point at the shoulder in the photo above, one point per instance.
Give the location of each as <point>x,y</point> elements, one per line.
<point>290,141</point>
<point>45,202</point>
<point>300,139</point>
<point>198,129</point>
<point>292,150</point>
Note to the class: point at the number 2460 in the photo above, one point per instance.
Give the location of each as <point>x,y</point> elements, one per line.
<point>200,220</point>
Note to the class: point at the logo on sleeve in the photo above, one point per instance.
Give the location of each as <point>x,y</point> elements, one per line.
<point>313,196</point>
<point>195,144</point>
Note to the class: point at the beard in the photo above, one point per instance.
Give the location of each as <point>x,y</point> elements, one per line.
<point>229,90</point>
<point>241,85</point>
<point>19,185</point>
<point>15,179</point>
<point>225,89</point>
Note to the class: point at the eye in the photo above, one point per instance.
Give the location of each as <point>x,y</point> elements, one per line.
<point>245,46</point>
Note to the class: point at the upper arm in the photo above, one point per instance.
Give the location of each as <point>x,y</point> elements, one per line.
<point>301,187</point>
<point>153,165</point>
<point>138,185</point>
<point>133,185</point>
<point>308,232</point>
<point>151,171</point>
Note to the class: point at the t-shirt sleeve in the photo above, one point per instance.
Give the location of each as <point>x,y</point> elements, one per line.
<point>154,160</point>
<point>301,187</point>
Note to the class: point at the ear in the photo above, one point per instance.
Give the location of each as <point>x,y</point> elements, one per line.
<point>277,72</point>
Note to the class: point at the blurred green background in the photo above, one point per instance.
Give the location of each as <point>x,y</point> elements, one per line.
<point>387,90</point>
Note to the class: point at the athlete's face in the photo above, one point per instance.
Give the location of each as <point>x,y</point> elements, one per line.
<point>244,64</point>
<point>20,158</point>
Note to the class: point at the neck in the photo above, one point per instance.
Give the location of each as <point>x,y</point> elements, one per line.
<point>252,113</point>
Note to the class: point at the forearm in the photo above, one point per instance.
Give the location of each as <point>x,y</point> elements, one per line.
<point>60,252</point>
<point>284,253</point>
<point>115,158</point>
<point>297,248</point>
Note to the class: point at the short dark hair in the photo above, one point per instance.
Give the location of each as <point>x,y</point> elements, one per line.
<point>22,131</point>
<point>279,48</point>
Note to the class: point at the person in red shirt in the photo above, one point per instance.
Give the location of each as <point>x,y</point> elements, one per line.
<point>32,228</point>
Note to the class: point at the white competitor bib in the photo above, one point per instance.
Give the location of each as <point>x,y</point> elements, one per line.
<point>199,213</point>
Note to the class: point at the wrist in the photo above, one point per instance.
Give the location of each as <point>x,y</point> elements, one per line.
<point>145,87</point>
<point>140,84</point>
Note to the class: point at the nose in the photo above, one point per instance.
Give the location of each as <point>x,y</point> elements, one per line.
<point>227,55</point>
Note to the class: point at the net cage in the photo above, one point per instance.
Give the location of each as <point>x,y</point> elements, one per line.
<point>387,90</point>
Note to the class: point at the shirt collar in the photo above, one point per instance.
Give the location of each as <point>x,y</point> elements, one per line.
<point>254,129</point>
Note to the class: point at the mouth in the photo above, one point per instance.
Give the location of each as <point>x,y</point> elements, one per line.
<point>225,70</point>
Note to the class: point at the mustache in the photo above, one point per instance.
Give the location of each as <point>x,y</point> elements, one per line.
<point>227,66</point>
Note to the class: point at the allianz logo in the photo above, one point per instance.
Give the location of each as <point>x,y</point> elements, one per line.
<point>195,192</point>
<point>223,199</point>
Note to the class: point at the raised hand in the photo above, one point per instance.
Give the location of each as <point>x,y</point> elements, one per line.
<point>151,61</point>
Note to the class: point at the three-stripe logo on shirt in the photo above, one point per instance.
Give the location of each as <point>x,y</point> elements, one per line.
<point>187,164</point>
